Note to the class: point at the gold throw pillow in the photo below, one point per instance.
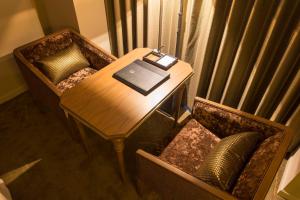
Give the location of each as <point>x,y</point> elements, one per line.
<point>224,163</point>
<point>64,63</point>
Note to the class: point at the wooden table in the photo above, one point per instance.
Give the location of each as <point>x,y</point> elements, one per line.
<point>114,110</point>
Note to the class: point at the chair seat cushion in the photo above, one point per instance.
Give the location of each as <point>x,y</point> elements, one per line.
<point>189,148</point>
<point>75,78</point>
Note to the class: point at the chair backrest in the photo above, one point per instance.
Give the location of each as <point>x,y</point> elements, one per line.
<point>225,123</point>
<point>55,42</point>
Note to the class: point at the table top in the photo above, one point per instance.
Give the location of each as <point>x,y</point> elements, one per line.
<point>113,109</point>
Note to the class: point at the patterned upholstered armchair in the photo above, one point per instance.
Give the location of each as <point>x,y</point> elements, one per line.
<point>44,91</point>
<point>173,173</point>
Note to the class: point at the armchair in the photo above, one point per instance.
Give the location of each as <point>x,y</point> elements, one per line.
<point>172,173</point>
<point>45,92</point>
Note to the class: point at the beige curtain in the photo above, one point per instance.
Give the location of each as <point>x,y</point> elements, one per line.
<point>245,54</point>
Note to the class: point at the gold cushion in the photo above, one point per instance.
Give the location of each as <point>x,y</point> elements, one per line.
<point>225,162</point>
<point>64,63</point>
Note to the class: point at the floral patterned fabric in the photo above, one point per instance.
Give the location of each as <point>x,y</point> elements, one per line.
<point>75,78</point>
<point>255,169</point>
<point>50,45</point>
<point>225,123</point>
<point>188,149</point>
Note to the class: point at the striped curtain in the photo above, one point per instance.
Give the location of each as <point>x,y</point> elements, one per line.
<point>245,54</point>
<point>135,23</point>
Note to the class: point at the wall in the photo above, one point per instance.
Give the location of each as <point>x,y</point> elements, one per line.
<point>56,15</point>
<point>91,19</point>
<point>19,24</point>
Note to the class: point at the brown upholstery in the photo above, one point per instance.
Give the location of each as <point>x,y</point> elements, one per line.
<point>188,149</point>
<point>182,153</point>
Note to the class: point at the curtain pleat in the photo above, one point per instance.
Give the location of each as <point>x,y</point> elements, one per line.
<point>140,30</point>
<point>249,47</point>
<point>153,22</point>
<point>214,40</point>
<point>181,27</point>
<point>127,24</point>
<point>289,101</point>
<point>129,16</point>
<point>193,31</point>
<point>123,15</point>
<point>285,72</point>
<point>233,32</point>
<point>145,23</point>
<point>133,4</point>
<point>169,27</point>
<point>195,52</point>
<point>111,24</point>
<point>119,38</point>
<point>268,57</point>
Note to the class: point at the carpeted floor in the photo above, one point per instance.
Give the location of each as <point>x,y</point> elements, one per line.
<point>39,160</point>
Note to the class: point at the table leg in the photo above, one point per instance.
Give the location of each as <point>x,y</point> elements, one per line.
<point>82,136</point>
<point>177,104</point>
<point>72,128</point>
<point>119,148</point>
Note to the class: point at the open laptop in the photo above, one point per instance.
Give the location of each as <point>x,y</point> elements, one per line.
<point>142,76</point>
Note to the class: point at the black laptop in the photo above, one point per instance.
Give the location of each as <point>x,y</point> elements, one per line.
<point>142,76</point>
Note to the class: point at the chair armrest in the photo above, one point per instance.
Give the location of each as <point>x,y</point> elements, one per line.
<point>225,121</point>
<point>173,183</point>
<point>27,67</point>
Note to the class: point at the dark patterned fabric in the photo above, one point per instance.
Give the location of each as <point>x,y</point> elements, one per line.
<point>51,45</point>
<point>189,148</point>
<point>225,123</point>
<point>255,169</point>
<point>75,78</point>
<point>225,162</point>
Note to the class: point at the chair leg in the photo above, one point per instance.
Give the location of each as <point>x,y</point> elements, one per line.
<point>177,104</point>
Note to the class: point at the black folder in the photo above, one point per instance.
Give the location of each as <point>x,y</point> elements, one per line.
<point>142,76</point>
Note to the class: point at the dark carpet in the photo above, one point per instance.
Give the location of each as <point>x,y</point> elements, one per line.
<point>40,160</point>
